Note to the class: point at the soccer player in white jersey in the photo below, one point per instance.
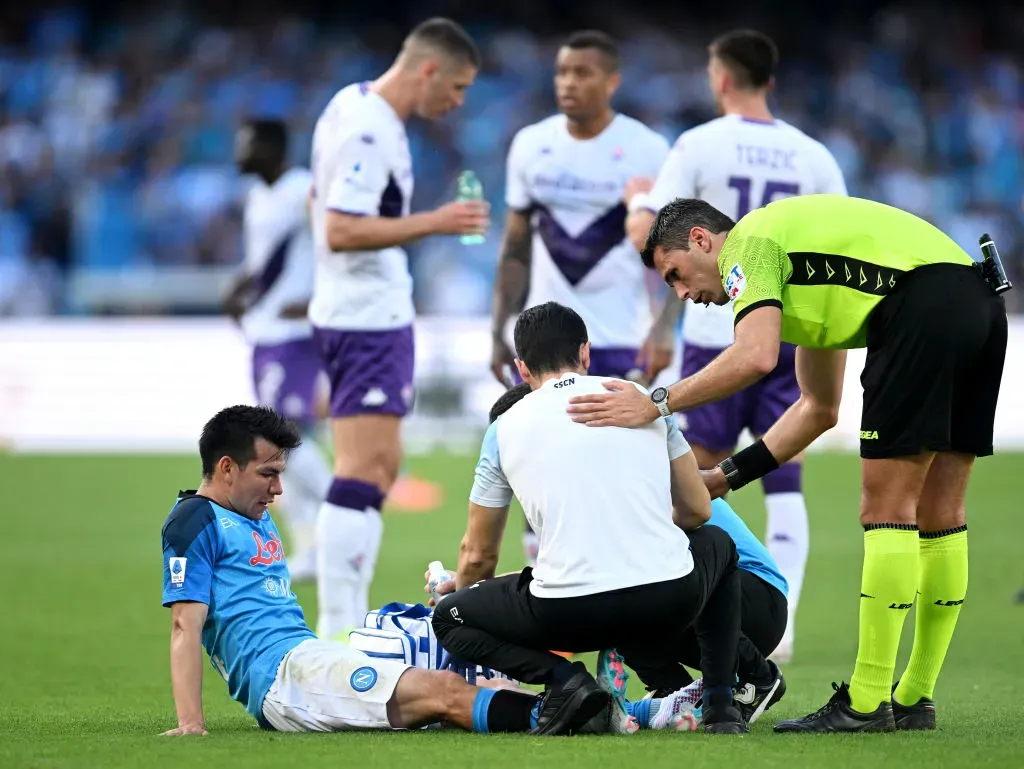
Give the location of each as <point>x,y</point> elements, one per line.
<point>362,308</point>
<point>742,160</point>
<point>564,238</point>
<point>624,559</point>
<point>269,299</point>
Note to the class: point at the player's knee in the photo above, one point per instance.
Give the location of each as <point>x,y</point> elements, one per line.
<point>941,518</point>
<point>377,463</point>
<point>449,689</point>
<point>887,511</point>
<point>442,621</point>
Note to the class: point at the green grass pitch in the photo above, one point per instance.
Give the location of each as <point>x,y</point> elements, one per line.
<point>84,641</point>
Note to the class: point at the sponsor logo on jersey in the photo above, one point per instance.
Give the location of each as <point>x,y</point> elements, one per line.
<point>267,552</point>
<point>869,435</point>
<point>363,679</point>
<point>272,586</point>
<point>735,281</point>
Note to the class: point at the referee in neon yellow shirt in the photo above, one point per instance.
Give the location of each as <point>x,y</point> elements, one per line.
<point>830,273</point>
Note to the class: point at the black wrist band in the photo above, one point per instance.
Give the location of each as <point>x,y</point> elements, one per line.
<point>754,462</point>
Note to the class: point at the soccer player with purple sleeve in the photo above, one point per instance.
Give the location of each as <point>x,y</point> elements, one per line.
<point>362,308</point>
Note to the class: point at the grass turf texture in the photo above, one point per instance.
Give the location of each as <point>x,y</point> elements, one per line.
<point>85,642</point>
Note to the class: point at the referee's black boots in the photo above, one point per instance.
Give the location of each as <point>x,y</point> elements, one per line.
<point>837,715</point>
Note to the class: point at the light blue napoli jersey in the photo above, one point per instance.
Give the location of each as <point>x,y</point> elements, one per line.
<point>236,567</point>
<point>753,556</point>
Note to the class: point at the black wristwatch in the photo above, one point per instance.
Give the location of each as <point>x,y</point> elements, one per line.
<point>659,397</point>
<point>732,473</point>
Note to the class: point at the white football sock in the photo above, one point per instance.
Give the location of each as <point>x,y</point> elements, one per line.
<point>347,545</point>
<point>308,468</point>
<point>788,541</point>
<point>305,480</point>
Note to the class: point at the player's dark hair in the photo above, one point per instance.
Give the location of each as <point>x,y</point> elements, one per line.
<point>750,55</point>
<point>448,37</point>
<point>508,399</point>
<point>672,225</point>
<point>597,40</point>
<point>269,133</point>
<point>233,431</point>
<point>548,338</point>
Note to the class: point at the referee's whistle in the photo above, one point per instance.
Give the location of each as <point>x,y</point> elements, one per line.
<point>992,265</point>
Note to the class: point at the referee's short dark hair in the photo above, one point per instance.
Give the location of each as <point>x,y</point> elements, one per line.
<point>233,431</point>
<point>448,37</point>
<point>548,338</point>
<point>596,40</point>
<point>672,224</point>
<point>750,55</point>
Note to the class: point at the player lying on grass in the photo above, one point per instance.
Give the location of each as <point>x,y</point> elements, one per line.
<point>227,585</point>
<point>763,618</point>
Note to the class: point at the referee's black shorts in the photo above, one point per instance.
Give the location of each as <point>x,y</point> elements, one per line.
<point>935,351</point>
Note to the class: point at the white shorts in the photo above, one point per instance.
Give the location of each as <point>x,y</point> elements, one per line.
<point>326,686</point>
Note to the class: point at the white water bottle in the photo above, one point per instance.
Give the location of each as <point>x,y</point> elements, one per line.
<point>436,574</point>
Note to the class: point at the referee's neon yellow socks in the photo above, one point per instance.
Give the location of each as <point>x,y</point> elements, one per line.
<point>943,587</point>
<point>888,587</point>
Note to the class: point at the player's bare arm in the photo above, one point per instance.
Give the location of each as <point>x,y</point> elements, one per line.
<point>639,220</point>
<point>510,287</point>
<point>820,375</point>
<point>295,310</point>
<point>659,346</point>
<point>481,544</point>
<point>753,355</point>
<point>348,232</point>
<point>638,224</point>
<point>236,298</point>
<point>187,619</point>
<point>691,503</point>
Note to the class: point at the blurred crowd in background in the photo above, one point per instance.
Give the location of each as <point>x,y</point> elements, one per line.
<point>117,124</point>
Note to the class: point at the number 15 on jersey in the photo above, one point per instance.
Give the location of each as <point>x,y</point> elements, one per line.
<point>772,190</point>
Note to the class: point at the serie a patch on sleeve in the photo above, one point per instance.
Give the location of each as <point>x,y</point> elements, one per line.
<point>177,568</point>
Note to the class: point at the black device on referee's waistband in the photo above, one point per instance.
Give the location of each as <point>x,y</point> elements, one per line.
<point>991,266</point>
